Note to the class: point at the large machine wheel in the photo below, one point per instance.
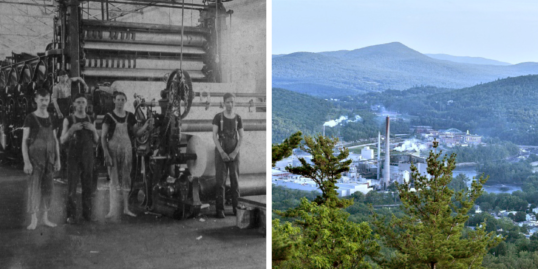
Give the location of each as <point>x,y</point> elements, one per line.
<point>178,90</point>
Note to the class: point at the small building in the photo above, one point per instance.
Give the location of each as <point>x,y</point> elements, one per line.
<point>345,189</point>
<point>420,129</point>
<point>367,153</point>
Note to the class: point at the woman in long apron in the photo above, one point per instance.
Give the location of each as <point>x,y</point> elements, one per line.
<point>119,127</point>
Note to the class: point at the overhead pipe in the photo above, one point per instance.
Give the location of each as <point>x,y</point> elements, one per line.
<point>172,4</point>
<point>135,73</point>
<point>132,26</point>
<point>128,47</point>
<point>129,36</point>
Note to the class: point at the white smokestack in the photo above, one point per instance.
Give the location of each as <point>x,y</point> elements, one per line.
<point>378,154</point>
<point>386,173</point>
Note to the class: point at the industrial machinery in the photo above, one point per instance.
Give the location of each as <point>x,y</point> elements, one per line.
<point>175,74</point>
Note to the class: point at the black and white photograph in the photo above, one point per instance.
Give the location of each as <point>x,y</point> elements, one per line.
<point>133,134</point>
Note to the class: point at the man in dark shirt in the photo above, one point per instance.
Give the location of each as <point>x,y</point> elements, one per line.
<point>227,135</point>
<point>41,154</point>
<point>80,135</point>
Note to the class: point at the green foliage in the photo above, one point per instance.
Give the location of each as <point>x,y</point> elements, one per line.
<point>328,239</point>
<point>286,240</point>
<point>284,198</point>
<point>520,216</point>
<point>431,232</point>
<point>293,112</point>
<point>459,183</point>
<point>507,108</point>
<point>321,235</point>
<point>509,257</point>
<point>505,172</point>
<point>497,151</point>
<point>285,149</point>
<point>326,168</point>
<point>517,201</point>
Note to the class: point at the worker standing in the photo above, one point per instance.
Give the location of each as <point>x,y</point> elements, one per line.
<point>227,135</point>
<point>61,99</point>
<point>80,134</point>
<point>119,128</point>
<point>41,154</point>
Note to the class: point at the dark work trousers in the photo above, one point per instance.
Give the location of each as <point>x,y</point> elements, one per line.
<point>80,162</point>
<point>223,169</point>
<point>64,104</point>
<point>80,169</point>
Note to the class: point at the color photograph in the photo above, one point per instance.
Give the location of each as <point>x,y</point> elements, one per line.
<point>404,134</point>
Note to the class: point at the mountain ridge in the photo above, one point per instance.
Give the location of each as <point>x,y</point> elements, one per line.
<point>380,67</point>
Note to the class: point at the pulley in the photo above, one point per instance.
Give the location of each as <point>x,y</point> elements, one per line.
<point>178,90</point>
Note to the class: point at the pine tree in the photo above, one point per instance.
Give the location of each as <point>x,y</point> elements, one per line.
<point>326,168</point>
<point>430,233</point>
<point>326,238</point>
<point>285,149</point>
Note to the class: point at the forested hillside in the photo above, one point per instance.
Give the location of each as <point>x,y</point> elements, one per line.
<point>505,108</point>
<point>294,112</point>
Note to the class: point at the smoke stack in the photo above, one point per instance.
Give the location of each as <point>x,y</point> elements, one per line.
<point>386,173</point>
<point>324,129</point>
<point>378,154</point>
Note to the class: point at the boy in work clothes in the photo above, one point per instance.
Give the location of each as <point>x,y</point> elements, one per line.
<point>41,154</point>
<point>61,99</point>
<point>119,127</point>
<point>227,135</point>
<point>80,134</point>
<point>61,93</point>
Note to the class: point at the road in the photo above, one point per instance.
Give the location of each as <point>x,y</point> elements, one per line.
<point>146,241</point>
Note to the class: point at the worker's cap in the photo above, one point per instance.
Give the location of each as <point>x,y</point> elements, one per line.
<point>62,72</point>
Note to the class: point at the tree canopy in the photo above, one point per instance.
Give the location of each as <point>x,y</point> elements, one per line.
<point>429,235</point>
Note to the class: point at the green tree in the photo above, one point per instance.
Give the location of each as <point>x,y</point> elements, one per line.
<point>285,240</point>
<point>485,206</point>
<point>285,237</point>
<point>285,149</point>
<point>430,234</point>
<point>326,168</point>
<point>327,239</point>
<point>520,216</point>
<point>458,183</point>
<point>321,235</point>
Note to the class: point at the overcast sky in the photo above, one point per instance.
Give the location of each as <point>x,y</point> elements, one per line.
<point>505,31</point>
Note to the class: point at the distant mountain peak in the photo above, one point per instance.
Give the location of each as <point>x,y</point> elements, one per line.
<point>385,66</point>
<point>389,51</point>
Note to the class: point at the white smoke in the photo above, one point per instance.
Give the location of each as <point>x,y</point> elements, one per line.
<point>333,123</point>
<point>411,145</point>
